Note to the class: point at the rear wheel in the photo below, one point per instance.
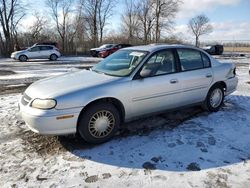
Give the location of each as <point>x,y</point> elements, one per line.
<point>23,58</point>
<point>214,98</point>
<point>99,122</point>
<point>53,57</point>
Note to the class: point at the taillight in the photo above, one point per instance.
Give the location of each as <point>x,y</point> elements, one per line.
<point>231,73</point>
<point>234,72</point>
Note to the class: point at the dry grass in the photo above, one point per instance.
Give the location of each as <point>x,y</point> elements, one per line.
<point>236,49</point>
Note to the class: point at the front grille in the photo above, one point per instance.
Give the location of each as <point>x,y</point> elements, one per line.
<point>25,99</point>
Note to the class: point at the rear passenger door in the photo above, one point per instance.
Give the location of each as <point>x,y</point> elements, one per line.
<point>46,51</point>
<point>196,75</point>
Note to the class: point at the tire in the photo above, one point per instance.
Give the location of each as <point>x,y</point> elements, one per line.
<point>99,122</point>
<point>23,58</point>
<point>53,57</point>
<point>214,99</point>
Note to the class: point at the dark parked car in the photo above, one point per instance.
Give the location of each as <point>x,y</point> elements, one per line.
<point>95,51</point>
<point>107,52</point>
<point>214,49</point>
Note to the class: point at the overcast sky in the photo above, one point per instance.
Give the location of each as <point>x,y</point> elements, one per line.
<point>230,18</point>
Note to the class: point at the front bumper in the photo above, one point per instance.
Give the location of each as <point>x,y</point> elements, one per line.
<point>13,56</point>
<point>50,122</point>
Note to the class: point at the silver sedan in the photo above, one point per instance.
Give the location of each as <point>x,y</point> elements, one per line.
<point>130,83</point>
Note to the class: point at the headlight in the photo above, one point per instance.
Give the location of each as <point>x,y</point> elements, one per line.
<point>43,103</point>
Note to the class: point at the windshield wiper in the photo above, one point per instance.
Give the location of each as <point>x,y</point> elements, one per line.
<point>99,72</point>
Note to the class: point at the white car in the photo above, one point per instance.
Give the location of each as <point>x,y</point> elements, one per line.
<point>37,52</point>
<point>130,83</point>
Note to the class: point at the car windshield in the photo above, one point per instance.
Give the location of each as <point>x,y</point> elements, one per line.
<point>121,63</point>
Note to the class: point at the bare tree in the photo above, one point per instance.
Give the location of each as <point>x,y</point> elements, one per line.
<point>96,14</point>
<point>90,9</point>
<point>10,16</point>
<point>164,11</point>
<point>130,22</point>
<point>146,19</point>
<point>200,25</point>
<point>154,16</point>
<point>105,11</point>
<point>60,12</point>
<point>38,26</point>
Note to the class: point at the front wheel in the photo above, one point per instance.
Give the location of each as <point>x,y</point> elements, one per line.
<point>99,122</point>
<point>214,98</point>
<point>23,58</point>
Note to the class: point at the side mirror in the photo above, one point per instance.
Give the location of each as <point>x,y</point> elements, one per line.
<point>145,73</point>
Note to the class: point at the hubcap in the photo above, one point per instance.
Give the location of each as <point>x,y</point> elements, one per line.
<point>216,98</point>
<point>53,57</point>
<point>101,124</point>
<point>23,58</point>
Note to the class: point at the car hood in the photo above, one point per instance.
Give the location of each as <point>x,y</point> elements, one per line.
<point>95,48</point>
<point>21,51</point>
<point>70,82</point>
<point>99,49</point>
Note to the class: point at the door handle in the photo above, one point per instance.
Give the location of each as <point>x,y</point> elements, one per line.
<point>173,81</point>
<point>208,75</point>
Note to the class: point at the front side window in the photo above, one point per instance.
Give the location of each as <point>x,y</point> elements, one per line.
<point>190,59</point>
<point>160,63</point>
<point>34,49</point>
<point>122,63</point>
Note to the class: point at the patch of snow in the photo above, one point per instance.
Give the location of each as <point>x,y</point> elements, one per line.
<point>217,145</point>
<point>17,85</point>
<point>79,58</point>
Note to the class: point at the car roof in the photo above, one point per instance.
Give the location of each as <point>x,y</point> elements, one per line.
<point>43,45</point>
<point>155,47</point>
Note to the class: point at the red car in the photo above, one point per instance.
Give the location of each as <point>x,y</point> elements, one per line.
<point>107,52</point>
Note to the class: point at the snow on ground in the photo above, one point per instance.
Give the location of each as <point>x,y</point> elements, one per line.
<point>187,148</point>
<point>44,68</point>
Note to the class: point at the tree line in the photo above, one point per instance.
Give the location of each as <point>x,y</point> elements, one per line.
<point>78,25</point>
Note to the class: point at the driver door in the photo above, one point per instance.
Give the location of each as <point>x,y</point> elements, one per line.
<point>159,90</point>
<point>34,52</point>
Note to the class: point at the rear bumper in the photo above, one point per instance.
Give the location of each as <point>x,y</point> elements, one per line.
<point>231,85</point>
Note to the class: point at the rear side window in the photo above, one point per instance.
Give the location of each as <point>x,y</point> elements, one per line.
<point>46,47</point>
<point>190,59</point>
